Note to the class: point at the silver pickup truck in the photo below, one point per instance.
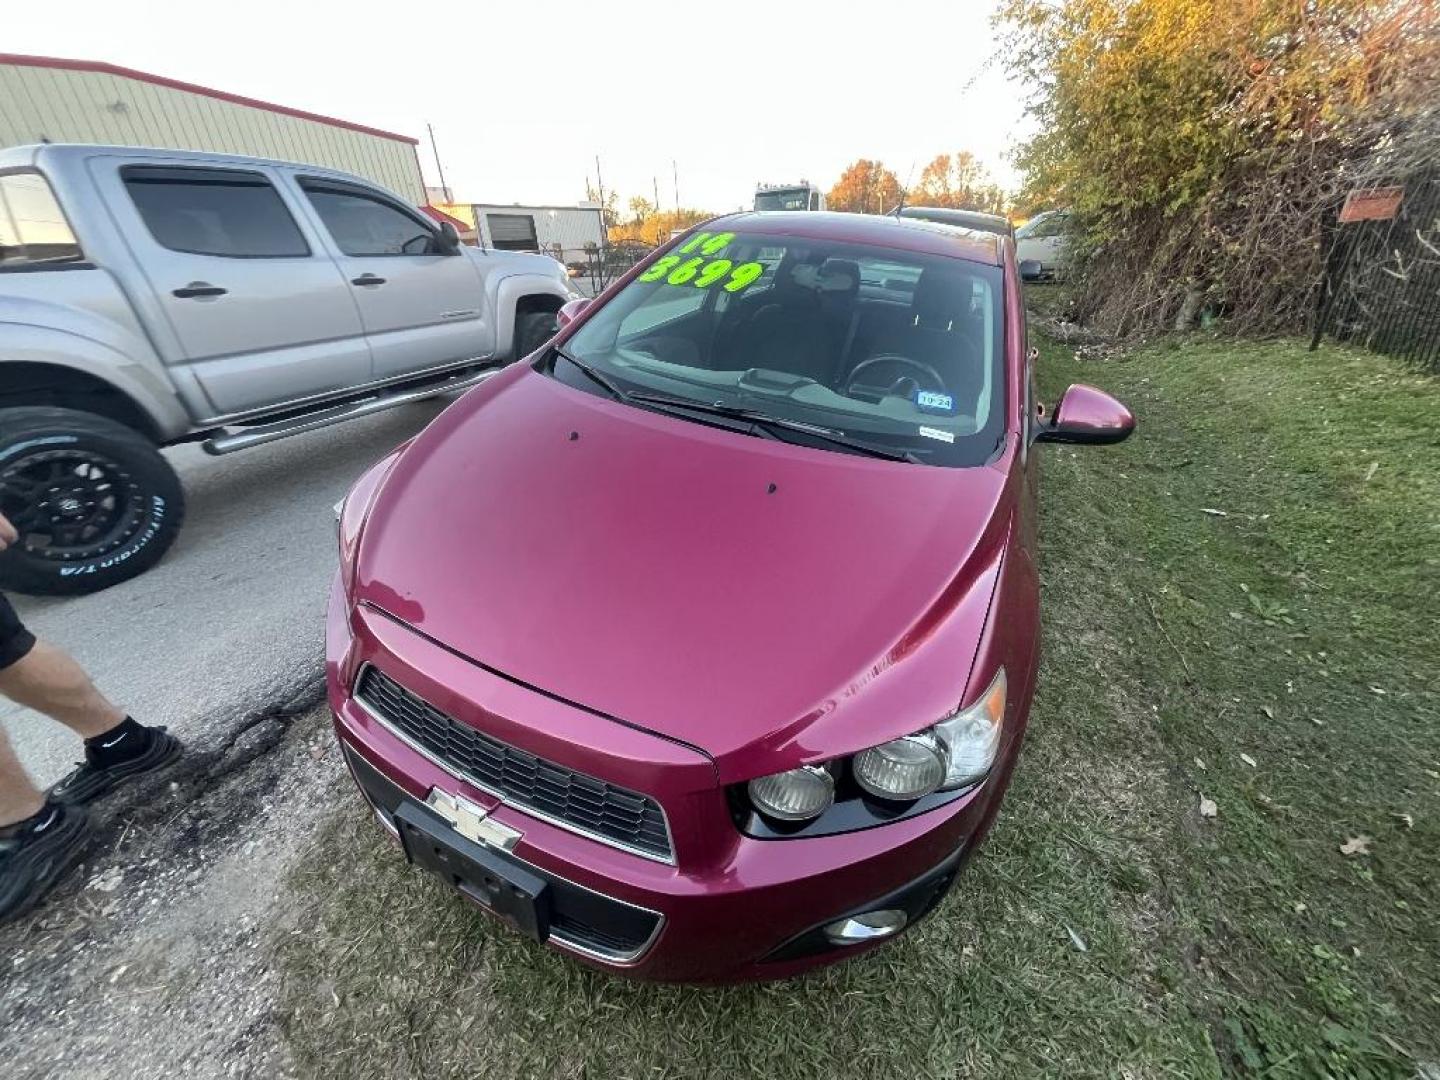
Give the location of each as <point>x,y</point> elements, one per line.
<point>152,297</point>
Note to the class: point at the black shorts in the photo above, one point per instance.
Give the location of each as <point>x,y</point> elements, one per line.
<point>15,640</point>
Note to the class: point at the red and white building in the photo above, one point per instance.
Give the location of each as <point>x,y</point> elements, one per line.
<point>45,99</point>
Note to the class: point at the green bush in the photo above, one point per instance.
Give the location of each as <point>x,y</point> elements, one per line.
<point>1200,143</point>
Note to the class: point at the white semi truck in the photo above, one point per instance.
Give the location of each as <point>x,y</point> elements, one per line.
<point>801,196</point>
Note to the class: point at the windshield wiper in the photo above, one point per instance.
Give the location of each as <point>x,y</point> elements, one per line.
<point>770,424</point>
<point>595,376</point>
<point>759,421</point>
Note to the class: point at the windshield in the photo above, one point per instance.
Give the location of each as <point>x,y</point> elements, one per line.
<point>1050,223</point>
<point>895,349</point>
<point>791,199</point>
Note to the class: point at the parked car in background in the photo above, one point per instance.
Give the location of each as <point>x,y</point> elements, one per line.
<point>721,667</point>
<point>964,219</point>
<point>1042,241</point>
<point>150,297</point>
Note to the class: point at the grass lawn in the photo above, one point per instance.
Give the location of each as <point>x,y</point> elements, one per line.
<point>1240,608</point>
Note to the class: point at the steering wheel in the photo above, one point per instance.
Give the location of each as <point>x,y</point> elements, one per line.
<point>931,377</point>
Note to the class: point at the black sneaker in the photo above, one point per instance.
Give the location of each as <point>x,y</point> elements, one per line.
<point>92,778</point>
<point>35,855</point>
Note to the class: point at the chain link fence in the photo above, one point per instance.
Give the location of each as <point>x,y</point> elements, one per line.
<point>1381,287</point>
<point>591,269</point>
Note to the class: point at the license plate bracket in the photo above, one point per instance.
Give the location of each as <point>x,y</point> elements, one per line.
<point>494,881</point>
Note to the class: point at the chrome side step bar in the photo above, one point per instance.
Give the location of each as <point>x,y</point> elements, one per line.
<point>230,441</point>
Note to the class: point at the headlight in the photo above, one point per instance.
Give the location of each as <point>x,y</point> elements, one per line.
<point>958,752</point>
<point>971,737</point>
<point>903,769</point>
<point>797,795</point>
<point>955,753</point>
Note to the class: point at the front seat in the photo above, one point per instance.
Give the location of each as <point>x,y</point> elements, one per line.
<point>942,334</point>
<point>802,327</point>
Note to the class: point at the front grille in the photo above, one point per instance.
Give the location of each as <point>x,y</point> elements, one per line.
<point>613,814</point>
<point>579,918</point>
<point>626,939</point>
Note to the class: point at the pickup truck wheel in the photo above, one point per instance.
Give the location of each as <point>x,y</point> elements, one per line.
<point>94,502</point>
<point>533,329</point>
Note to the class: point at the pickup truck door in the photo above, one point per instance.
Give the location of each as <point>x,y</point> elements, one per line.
<point>245,294</point>
<point>422,306</point>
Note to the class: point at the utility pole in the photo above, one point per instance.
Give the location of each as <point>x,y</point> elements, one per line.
<point>674,168</point>
<point>656,183</point>
<point>604,226</point>
<point>438,167</point>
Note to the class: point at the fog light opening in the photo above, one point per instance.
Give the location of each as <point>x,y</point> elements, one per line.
<point>869,926</point>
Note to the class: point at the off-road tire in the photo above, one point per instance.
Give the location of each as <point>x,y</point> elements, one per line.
<point>95,502</point>
<point>532,330</point>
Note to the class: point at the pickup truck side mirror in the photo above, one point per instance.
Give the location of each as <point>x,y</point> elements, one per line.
<point>570,311</point>
<point>1087,415</point>
<point>448,239</point>
<point>1030,270</point>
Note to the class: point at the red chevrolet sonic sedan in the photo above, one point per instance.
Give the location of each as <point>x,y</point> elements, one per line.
<point>701,643</point>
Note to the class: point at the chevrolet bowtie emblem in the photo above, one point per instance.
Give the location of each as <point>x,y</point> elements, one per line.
<point>471,821</point>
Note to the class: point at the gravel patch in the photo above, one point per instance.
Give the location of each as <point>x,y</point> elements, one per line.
<point>151,959</point>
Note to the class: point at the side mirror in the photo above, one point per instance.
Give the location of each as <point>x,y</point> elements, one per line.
<point>449,239</point>
<point>1087,415</point>
<point>1030,270</point>
<point>570,311</point>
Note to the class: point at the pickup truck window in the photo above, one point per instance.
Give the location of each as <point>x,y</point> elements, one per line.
<point>366,225</point>
<point>33,232</point>
<point>224,212</point>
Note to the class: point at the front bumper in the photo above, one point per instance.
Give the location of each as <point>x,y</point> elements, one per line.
<point>729,907</point>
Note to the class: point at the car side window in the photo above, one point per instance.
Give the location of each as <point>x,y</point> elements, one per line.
<point>228,213</point>
<point>366,225</point>
<point>34,234</point>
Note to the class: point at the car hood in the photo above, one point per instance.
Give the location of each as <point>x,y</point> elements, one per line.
<point>715,588</point>
<point>516,262</point>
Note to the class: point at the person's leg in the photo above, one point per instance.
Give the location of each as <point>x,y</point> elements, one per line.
<point>45,678</point>
<point>49,681</point>
<point>40,838</point>
<point>19,797</point>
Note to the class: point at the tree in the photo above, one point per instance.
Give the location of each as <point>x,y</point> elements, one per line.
<point>866,187</point>
<point>959,182</point>
<point>1200,143</point>
<point>610,211</point>
<point>647,225</point>
<point>641,210</point>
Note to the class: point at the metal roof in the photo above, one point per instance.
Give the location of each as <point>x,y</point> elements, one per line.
<point>100,67</point>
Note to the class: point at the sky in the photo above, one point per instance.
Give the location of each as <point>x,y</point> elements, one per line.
<point>523,96</point>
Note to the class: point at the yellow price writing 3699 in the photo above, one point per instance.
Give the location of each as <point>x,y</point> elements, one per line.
<point>678,270</point>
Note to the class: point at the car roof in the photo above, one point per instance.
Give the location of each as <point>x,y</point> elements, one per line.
<point>899,234</point>
<point>36,153</point>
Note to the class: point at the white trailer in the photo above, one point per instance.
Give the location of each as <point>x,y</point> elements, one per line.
<point>566,232</point>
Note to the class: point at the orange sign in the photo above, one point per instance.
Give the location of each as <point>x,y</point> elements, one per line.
<point>1371,204</point>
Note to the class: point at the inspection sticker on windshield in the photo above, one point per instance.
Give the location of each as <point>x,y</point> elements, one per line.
<point>933,402</point>
<point>936,433</point>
